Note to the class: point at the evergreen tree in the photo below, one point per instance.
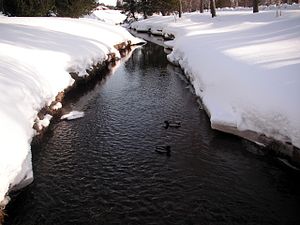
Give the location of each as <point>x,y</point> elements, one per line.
<point>27,7</point>
<point>71,8</point>
<point>130,6</point>
<point>145,7</point>
<point>168,6</point>
<point>74,8</point>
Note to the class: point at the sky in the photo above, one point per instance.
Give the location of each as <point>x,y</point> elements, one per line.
<point>108,2</point>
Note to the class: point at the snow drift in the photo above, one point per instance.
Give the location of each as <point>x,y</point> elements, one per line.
<point>36,57</point>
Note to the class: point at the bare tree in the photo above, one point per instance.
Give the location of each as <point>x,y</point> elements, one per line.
<point>235,3</point>
<point>201,6</point>
<point>255,6</point>
<point>180,8</point>
<point>213,8</point>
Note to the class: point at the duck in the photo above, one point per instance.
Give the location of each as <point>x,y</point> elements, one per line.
<point>175,124</point>
<point>163,149</point>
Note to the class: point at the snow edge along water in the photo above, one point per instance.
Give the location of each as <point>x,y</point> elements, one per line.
<point>18,175</point>
<point>281,141</point>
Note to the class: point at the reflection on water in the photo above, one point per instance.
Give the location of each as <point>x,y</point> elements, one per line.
<point>103,168</point>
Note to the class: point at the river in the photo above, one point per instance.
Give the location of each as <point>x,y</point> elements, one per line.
<point>103,168</point>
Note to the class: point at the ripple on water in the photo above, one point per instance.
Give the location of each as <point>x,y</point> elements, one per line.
<point>103,168</point>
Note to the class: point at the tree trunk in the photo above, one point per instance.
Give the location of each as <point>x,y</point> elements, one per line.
<point>180,8</point>
<point>236,4</point>
<point>201,6</point>
<point>255,6</point>
<point>213,8</point>
<point>133,15</point>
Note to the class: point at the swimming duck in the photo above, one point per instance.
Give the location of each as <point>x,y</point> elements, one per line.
<point>175,124</point>
<point>163,149</point>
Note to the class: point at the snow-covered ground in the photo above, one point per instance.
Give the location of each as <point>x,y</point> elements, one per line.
<point>108,16</point>
<point>244,66</point>
<point>36,57</point>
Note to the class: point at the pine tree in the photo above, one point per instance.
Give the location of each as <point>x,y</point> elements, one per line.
<point>27,7</point>
<point>71,8</point>
<point>74,8</point>
<point>130,6</point>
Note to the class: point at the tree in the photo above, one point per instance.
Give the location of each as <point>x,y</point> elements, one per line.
<point>74,8</point>
<point>130,6</point>
<point>148,7</point>
<point>71,8</point>
<point>27,7</point>
<point>213,8</point>
<point>1,6</point>
<point>255,6</point>
<point>145,7</point>
<point>166,7</point>
<point>180,8</point>
<point>223,3</point>
<point>119,4</point>
<point>201,6</point>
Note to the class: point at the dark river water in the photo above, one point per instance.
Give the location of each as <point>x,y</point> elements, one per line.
<point>103,168</point>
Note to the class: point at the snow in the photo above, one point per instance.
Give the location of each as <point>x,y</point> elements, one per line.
<point>108,2</point>
<point>45,122</point>
<point>108,16</point>
<point>244,66</point>
<point>57,106</point>
<point>72,115</point>
<point>36,57</point>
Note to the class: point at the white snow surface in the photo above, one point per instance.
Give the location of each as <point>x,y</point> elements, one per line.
<point>36,56</point>
<point>108,16</point>
<point>244,66</point>
<point>72,115</point>
<point>108,2</point>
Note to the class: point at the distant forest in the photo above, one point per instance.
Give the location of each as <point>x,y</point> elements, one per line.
<point>165,7</point>
<point>65,8</point>
<point>77,8</point>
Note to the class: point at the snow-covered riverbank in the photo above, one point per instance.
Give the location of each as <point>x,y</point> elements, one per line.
<point>36,57</point>
<point>244,66</point>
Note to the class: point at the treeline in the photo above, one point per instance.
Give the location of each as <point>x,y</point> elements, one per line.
<point>148,7</point>
<point>65,8</point>
<point>166,7</point>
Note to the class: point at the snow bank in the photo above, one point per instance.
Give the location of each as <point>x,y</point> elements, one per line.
<point>244,66</point>
<point>36,57</point>
<point>108,16</point>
